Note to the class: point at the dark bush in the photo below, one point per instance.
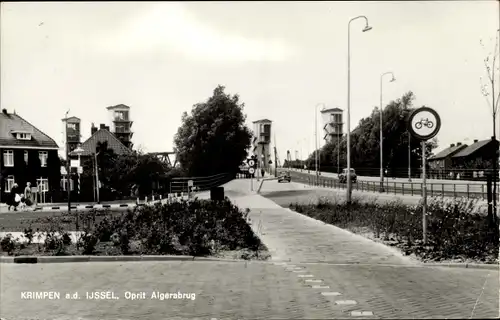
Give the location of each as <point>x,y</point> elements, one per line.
<point>455,229</point>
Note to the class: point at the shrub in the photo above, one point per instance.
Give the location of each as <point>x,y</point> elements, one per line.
<point>455,228</point>
<point>8,244</point>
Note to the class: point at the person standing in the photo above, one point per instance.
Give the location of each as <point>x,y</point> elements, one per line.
<point>16,196</point>
<point>28,196</point>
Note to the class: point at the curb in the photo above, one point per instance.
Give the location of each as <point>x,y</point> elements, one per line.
<point>64,259</point>
<point>492,266</point>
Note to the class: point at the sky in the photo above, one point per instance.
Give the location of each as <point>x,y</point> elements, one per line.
<point>282,58</point>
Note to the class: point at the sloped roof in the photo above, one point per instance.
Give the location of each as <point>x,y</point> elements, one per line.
<point>263,120</point>
<point>472,148</point>
<point>9,123</point>
<point>121,105</point>
<point>450,151</point>
<point>102,135</point>
<point>76,119</point>
<point>331,110</point>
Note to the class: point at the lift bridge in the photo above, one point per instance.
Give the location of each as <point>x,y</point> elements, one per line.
<point>165,157</point>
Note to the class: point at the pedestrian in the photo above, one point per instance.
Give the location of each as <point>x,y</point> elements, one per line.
<point>28,196</point>
<point>15,196</point>
<point>262,171</point>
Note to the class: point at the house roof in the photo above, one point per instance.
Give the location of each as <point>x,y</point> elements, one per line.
<point>450,151</point>
<point>102,135</point>
<point>11,123</point>
<point>263,120</point>
<point>331,110</point>
<point>121,106</point>
<point>71,119</point>
<point>472,148</point>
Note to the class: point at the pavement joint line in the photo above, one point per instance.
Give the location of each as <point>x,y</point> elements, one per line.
<point>305,276</point>
<point>345,302</point>
<point>313,280</point>
<point>331,294</point>
<point>320,287</point>
<point>361,313</point>
<point>298,271</point>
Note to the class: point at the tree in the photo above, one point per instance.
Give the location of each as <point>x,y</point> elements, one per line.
<point>214,138</point>
<point>489,90</point>
<point>365,142</point>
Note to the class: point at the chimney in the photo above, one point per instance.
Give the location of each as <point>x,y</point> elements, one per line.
<point>452,145</point>
<point>102,126</point>
<point>4,111</point>
<point>459,144</point>
<point>93,129</point>
<point>475,140</point>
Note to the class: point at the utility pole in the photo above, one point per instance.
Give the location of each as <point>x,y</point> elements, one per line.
<point>97,176</point>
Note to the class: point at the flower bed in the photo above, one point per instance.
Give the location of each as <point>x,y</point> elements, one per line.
<point>455,231</point>
<point>197,228</point>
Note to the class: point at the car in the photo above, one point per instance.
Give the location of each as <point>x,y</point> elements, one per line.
<point>284,177</point>
<point>343,176</point>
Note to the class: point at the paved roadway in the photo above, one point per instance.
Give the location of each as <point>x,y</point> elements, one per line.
<point>326,270</point>
<point>448,189</point>
<point>416,180</point>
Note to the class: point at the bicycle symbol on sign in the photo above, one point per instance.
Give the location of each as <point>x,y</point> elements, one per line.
<point>424,122</point>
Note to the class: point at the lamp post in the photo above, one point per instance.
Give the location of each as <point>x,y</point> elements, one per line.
<point>316,136</point>
<point>409,156</point>
<point>97,176</point>
<point>68,174</point>
<point>381,132</point>
<point>366,28</point>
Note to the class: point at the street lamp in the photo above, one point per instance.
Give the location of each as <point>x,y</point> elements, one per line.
<point>366,28</point>
<point>316,134</point>
<point>67,162</point>
<point>381,132</point>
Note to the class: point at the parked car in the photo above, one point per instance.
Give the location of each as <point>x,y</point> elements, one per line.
<point>284,176</point>
<point>343,176</point>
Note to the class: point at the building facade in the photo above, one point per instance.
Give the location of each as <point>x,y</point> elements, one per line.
<point>121,123</point>
<point>333,124</point>
<point>441,163</point>
<point>261,143</point>
<point>27,155</point>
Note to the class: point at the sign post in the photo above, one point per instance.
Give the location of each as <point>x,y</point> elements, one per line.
<point>424,124</point>
<point>251,163</point>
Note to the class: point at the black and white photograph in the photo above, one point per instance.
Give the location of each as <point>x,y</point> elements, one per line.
<point>249,160</point>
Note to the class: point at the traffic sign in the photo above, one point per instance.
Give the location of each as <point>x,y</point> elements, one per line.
<point>251,163</point>
<point>424,123</point>
<point>251,170</point>
<point>190,183</point>
<point>80,170</point>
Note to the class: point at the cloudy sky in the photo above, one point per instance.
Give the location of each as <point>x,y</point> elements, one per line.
<point>283,58</point>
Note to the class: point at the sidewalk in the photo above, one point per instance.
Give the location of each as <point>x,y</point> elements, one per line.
<point>293,237</point>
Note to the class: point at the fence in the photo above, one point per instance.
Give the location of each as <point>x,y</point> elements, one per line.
<point>178,185</point>
<point>448,174</point>
<point>471,191</point>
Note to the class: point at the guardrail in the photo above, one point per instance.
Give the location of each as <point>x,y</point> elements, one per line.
<point>178,185</point>
<point>471,191</point>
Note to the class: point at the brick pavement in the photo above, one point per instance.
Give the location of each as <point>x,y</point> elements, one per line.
<point>224,290</point>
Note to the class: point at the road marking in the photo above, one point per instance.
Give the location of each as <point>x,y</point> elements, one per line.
<point>330,294</point>
<point>298,271</point>
<point>314,280</point>
<point>305,276</point>
<point>361,313</point>
<point>345,302</point>
<point>320,287</point>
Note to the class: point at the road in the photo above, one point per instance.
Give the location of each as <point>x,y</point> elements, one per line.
<point>317,271</point>
<point>377,179</point>
<point>450,189</point>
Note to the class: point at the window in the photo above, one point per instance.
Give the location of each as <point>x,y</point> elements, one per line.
<point>26,157</point>
<point>9,183</point>
<point>64,184</point>
<point>42,184</point>
<point>43,155</point>
<point>8,158</point>
<point>72,126</point>
<point>23,136</point>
